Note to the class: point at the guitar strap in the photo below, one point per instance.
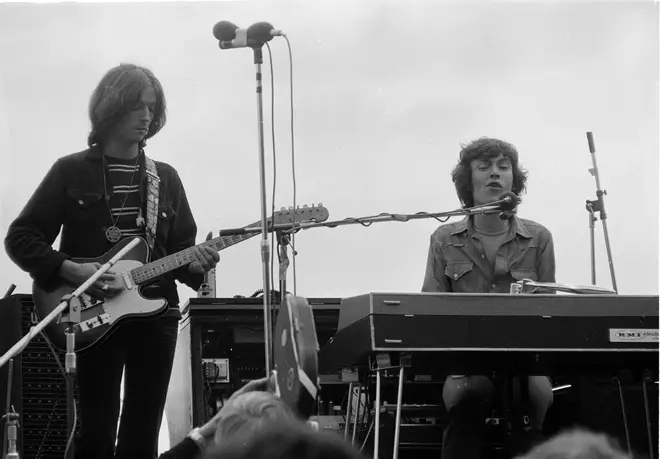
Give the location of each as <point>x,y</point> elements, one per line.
<point>153,181</point>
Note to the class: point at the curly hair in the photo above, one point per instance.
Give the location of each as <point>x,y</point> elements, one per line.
<point>117,92</point>
<point>485,147</point>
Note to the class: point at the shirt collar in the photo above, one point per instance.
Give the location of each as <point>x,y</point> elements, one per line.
<point>466,225</point>
<point>94,153</point>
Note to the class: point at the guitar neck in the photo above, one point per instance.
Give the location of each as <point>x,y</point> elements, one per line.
<point>171,262</point>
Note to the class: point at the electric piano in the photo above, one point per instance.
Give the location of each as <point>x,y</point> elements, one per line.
<point>459,332</point>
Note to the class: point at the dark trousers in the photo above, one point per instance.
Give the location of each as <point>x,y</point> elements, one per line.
<point>469,399</point>
<point>144,351</point>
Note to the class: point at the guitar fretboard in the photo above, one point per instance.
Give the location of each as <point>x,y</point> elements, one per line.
<point>184,257</point>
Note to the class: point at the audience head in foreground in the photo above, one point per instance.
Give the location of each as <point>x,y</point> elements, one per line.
<point>284,440</point>
<point>577,444</point>
<point>250,412</point>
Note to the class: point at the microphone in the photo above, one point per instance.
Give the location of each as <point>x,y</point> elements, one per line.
<point>508,205</point>
<point>509,201</point>
<point>230,36</point>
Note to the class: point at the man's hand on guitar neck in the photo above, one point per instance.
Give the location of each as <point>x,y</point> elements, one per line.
<point>106,286</point>
<point>206,257</point>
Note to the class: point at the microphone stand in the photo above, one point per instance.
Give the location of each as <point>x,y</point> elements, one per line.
<point>69,312</point>
<point>10,437</point>
<point>265,246</point>
<point>71,316</point>
<point>598,205</point>
<point>592,239</point>
<point>486,209</point>
<point>11,289</point>
<point>284,241</point>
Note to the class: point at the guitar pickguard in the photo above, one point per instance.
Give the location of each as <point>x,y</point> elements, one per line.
<point>98,316</point>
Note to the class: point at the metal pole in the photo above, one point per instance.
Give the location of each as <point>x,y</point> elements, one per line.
<point>599,206</point>
<point>265,246</point>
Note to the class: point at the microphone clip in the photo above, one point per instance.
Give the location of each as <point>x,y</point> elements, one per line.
<point>506,215</point>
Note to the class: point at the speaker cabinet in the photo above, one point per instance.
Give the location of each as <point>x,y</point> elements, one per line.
<point>38,386</point>
<point>221,347</point>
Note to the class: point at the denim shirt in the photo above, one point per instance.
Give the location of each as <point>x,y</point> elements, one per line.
<point>457,262</point>
<point>72,198</point>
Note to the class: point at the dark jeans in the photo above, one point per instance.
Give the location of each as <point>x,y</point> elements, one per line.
<point>468,399</point>
<point>145,351</point>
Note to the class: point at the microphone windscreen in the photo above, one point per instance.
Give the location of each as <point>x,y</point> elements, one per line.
<point>260,31</point>
<point>225,31</point>
<point>510,203</point>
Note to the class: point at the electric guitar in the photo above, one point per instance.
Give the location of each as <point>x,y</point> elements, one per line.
<point>99,316</point>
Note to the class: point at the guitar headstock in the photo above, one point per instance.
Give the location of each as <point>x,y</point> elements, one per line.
<point>304,214</point>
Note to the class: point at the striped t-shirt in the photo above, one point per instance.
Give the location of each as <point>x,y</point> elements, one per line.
<point>120,172</point>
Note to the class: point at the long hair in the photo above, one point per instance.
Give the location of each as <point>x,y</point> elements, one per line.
<point>115,95</point>
<point>485,148</point>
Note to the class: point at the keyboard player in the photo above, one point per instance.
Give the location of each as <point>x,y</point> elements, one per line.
<point>485,254</point>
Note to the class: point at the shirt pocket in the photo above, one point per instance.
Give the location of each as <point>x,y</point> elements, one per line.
<point>166,214</point>
<point>83,206</point>
<point>460,274</point>
<point>526,258</point>
<point>457,269</point>
<point>521,274</point>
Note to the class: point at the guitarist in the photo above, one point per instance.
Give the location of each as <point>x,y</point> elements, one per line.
<point>96,198</point>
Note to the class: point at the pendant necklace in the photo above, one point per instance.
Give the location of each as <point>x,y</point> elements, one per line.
<point>113,234</point>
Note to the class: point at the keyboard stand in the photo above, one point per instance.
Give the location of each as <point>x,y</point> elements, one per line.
<point>382,363</point>
<point>354,411</point>
<point>647,378</point>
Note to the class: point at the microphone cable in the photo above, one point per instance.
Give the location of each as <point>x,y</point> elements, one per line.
<point>293,161</point>
<point>293,166</point>
<point>272,131</point>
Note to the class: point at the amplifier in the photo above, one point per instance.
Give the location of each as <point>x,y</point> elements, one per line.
<point>220,347</point>
<point>38,390</point>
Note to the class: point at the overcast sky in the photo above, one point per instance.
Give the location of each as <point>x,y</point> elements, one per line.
<point>384,94</point>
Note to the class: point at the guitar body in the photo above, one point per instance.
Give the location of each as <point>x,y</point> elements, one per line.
<point>295,349</point>
<point>100,317</point>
